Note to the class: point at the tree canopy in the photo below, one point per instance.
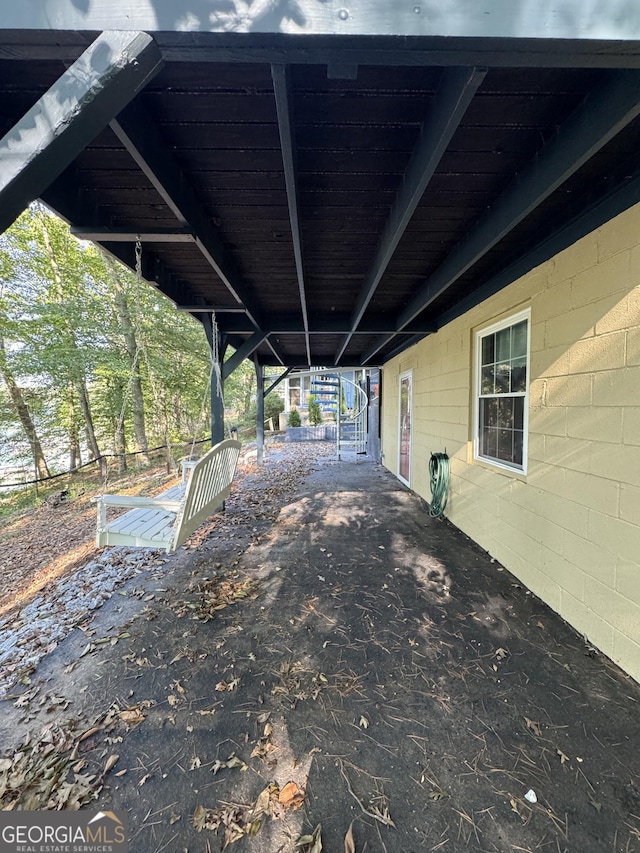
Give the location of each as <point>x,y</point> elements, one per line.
<point>94,361</point>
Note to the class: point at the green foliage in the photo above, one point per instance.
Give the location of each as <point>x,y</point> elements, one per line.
<point>294,418</point>
<point>239,393</point>
<point>315,412</point>
<point>62,332</point>
<point>273,405</point>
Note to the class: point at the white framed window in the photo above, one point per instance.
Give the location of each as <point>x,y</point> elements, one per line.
<point>502,392</point>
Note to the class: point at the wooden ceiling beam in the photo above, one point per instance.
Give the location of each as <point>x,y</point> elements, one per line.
<point>284,108</point>
<point>492,19</point>
<point>456,91</point>
<point>136,131</point>
<point>126,235</point>
<point>247,349</point>
<point>234,321</point>
<point>276,381</point>
<point>69,202</point>
<point>73,111</point>
<point>605,111</point>
<point>352,51</point>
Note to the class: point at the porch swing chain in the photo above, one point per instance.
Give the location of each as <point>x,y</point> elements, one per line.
<point>136,355</point>
<point>215,361</point>
<point>143,349</point>
<point>214,369</point>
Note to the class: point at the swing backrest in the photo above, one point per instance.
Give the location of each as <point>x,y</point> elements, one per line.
<point>208,488</point>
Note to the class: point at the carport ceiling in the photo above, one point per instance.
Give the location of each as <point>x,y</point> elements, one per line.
<point>335,199</point>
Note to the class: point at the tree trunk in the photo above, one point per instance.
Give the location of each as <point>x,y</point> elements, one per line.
<point>120,445</point>
<point>131,346</point>
<point>165,432</point>
<point>75,455</point>
<point>22,410</point>
<point>79,379</point>
<point>85,408</point>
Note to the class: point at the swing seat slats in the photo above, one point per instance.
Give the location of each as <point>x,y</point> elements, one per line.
<point>166,520</point>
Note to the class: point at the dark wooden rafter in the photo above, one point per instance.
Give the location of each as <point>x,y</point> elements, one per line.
<point>134,129</point>
<point>290,323</point>
<point>603,113</point>
<point>247,349</point>
<point>281,89</point>
<point>592,216</point>
<point>235,321</point>
<point>351,52</point>
<point>277,381</point>
<point>104,79</point>
<point>66,200</point>
<point>455,93</point>
<point>126,235</point>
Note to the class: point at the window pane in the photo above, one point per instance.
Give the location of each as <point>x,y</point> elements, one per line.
<point>518,413</point>
<point>489,443</point>
<point>505,444</point>
<point>503,378</point>
<point>488,349</point>
<point>517,447</point>
<point>487,380</point>
<point>519,339</point>
<point>519,374</point>
<point>505,412</point>
<point>503,345</point>
<point>489,413</point>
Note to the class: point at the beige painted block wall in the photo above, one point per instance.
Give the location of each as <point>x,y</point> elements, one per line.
<point>570,528</point>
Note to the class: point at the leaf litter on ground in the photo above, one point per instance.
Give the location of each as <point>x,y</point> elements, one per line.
<point>272,803</point>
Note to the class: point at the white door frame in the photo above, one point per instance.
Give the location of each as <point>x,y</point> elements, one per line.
<point>405,425</point>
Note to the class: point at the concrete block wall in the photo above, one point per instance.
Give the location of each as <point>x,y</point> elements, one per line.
<point>570,528</point>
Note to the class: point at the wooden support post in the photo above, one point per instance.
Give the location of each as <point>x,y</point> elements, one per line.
<point>259,410</point>
<point>217,378</point>
<point>217,400</point>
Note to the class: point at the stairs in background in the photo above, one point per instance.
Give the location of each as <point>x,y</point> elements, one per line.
<point>348,402</point>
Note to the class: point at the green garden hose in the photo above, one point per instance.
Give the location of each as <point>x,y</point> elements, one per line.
<point>439,479</point>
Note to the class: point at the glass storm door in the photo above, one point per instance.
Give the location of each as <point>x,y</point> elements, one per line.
<point>404,456</point>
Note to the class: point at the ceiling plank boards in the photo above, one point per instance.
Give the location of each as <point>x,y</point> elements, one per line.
<point>135,130</point>
<point>456,92</point>
<point>604,112</point>
<point>292,183</point>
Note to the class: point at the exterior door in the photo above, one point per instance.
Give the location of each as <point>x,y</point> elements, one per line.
<point>406,409</point>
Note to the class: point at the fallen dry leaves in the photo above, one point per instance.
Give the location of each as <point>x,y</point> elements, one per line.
<point>311,843</point>
<point>272,803</point>
<point>45,771</point>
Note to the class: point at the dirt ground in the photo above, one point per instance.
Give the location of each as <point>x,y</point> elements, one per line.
<point>327,668</point>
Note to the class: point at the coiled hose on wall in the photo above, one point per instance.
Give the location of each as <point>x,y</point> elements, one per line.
<point>439,480</point>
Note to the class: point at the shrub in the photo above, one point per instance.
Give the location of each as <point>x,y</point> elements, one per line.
<point>315,412</point>
<point>294,418</point>
<point>273,405</point>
